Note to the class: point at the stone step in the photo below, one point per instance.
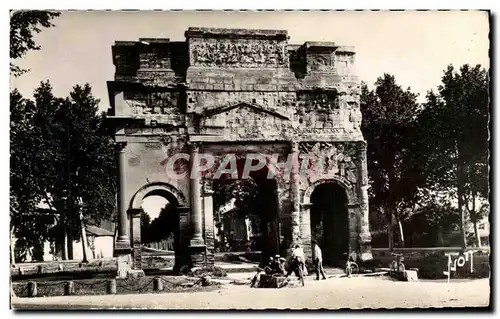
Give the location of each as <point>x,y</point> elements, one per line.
<point>237,268</point>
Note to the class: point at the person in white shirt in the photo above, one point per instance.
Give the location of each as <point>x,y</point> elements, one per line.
<point>318,260</point>
<point>297,263</point>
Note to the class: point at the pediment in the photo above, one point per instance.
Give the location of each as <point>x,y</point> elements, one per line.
<point>252,108</point>
<point>242,121</point>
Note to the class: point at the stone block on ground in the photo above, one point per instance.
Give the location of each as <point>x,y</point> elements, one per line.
<point>135,273</point>
<point>268,281</point>
<point>410,275</point>
<point>206,281</point>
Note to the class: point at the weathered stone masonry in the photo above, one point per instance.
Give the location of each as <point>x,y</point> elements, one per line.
<point>224,90</point>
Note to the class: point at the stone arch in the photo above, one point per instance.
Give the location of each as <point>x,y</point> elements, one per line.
<point>158,188</point>
<point>177,199</point>
<point>345,184</point>
<point>334,232</point>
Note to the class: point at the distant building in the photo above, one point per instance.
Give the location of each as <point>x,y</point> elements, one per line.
<point>100,245</point>
<point>484,230</point>
<point>234,227</point>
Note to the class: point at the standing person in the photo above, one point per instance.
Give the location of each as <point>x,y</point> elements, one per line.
<point>282,270</point>
<point>318,260</point>
<point>297,263</point>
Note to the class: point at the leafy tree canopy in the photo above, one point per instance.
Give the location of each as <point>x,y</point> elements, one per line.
<point>389,113</point>
<point>61,154</point>
<point>23,26</point>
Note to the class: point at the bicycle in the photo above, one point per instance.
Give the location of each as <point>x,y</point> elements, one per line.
<point>397,265</point>
<point>351,267</point>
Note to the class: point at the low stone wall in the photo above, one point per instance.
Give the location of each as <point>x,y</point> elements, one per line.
<point>63,268</point>
<point>433,261</point>
<point>157,262</point>
<point>131,285</point>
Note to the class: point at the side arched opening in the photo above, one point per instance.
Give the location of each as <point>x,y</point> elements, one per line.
<point>160,238</point>
<point>330,222</point>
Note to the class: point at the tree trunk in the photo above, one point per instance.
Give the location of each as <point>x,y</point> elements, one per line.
<point>12,248</point>
<point>84,238</point>
<point>390,230</point>
<point>473,217</point>
<point>461,212</point>
<point>440,238</point>
<point>390,210</point>
<point>115,236</point>
<point>476,233</point>
<point>64,252</point>
<point>401,234</point>
<point>69,242</point>
<point>69,228</point>
<point>462,221</point>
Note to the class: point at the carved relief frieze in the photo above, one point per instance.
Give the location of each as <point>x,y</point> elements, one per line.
<point>321,63</point>
<point>318,100</point>
<point>330,159</point>
<point>152,102</point>
<point>242,53</point>
<point>283,103</point>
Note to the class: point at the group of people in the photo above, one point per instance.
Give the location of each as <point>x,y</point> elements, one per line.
<point>276,265</point>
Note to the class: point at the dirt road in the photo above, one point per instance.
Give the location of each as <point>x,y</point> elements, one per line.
<point>354,293</point>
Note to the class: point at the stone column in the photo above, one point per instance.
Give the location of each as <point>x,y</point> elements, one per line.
<point>364,232</point>
<point>295,185</point>
<point>135,234</point>
<point>123,240</point>
<point>196,244</point>
<point>305,228</point>
<point>208,218</point>
<point>353,213</point>
<point>182,254</point>
<point>122,244</point>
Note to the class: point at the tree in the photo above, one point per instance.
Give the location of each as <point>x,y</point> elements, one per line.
<point>25,191</point>
<point>431,220</point>
<point>166,224</point>
<point>454,139</point>
<point>389,114</point>
<point>145,224</point>
<point>23,26</point>
<point>61,153</point>
<point>243,191</point>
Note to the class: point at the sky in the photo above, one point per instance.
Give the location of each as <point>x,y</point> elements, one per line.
<point>152,205</point>
<point>414,46</point>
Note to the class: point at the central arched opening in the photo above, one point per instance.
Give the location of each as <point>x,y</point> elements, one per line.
<point>246,214</point>
<point>160,233</point>
<point>330,223</point>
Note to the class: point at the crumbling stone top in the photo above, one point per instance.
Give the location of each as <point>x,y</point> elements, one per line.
<point>154,40</point>
<point>318,44</point>
<point>329,46</point>
<point>347,49</point>
<point>236,33</point>
<point>125,43</point>
<point>293,47</point>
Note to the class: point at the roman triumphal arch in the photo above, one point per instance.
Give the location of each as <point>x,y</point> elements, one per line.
<point>239,92</point>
